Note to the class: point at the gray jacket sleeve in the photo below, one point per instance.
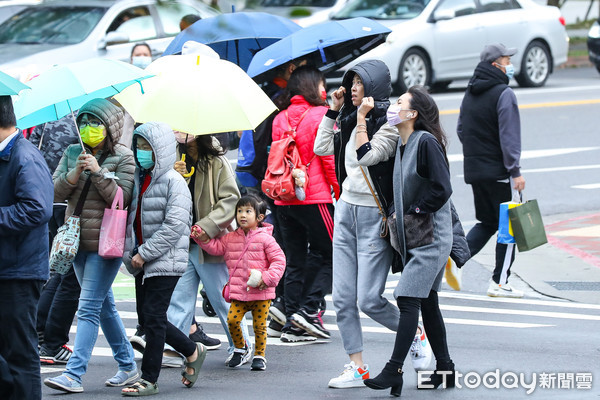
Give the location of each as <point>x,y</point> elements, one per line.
<point>509,125</point>
<point>324,140</point>
<point>380,148</point>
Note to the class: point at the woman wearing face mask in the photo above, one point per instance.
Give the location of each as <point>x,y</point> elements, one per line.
<point>141,55</point>
<point>307,224</point>
<point>361,257</point>
<point>214,191</point>
<point>422,191</point>
<point>106,165</point>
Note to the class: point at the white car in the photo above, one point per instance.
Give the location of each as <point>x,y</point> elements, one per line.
<point>302,12</point>
<point>434,42</point>
<point>56,32</point>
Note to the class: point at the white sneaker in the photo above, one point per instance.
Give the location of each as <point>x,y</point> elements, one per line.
<point>351,377</point>
<point>420,351</point>
<point>496,290</point>
<point>453,275</point>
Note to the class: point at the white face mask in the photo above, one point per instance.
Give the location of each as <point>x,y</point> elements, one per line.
<point>141,61</point>
<point>393,115</point>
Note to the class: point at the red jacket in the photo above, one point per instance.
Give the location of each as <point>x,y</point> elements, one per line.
<point>321,171</point>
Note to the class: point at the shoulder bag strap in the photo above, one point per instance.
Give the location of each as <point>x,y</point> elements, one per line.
<point>86,187</point>
<point>383,214</point>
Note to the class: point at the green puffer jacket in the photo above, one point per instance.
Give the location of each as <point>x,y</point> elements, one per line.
<point>117,169</point>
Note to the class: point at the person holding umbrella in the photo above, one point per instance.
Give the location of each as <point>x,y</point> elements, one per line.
<point>307,225</point>
<point>106,164</point>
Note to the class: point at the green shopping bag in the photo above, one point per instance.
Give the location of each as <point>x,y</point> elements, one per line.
<point>527,225</point>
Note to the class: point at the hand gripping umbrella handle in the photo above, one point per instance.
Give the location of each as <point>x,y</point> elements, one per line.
<point>191,171</point>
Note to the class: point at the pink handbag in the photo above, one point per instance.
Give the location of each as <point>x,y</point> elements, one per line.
<point>112,231</point>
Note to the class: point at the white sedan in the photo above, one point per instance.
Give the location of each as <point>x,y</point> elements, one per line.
<point>434,42</point>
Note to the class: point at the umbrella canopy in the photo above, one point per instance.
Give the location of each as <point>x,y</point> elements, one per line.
<point>64,88</point>
<point>237,36</point>
<point>10,85</point>
<point>198,94</point>
<point>327,46</point>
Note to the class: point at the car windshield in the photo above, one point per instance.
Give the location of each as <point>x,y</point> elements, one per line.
<point>53,25</point>
<point>297,3</point>
<point>381,9</point>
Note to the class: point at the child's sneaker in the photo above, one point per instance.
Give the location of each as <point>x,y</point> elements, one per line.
<point>236,359</point>
<point>352,376</point>
<point>420,351</point>
<point>259,363</point>
<point>61,356</point>
<point>64,383</point>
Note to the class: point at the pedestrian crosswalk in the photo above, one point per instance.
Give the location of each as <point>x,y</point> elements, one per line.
<point>458,308</point>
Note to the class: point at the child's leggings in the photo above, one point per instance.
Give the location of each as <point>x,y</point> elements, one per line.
<point>260,311</point>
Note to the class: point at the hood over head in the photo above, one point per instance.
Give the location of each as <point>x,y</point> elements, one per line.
<point>162,140</point>
<point>377,83</point>
<point>111,115</point>
<point>485,77</point>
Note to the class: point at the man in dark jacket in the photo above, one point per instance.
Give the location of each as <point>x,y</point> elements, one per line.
<point>25,208</point>
<point>489,128</point>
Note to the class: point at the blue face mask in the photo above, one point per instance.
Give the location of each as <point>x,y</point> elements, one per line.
<point>144,158</point>
<point>510,70</point>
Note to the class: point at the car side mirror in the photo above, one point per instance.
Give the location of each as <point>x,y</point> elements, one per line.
<point>113,37</point>
<point>441,15</point>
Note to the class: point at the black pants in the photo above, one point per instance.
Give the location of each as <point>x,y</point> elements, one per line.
<point>307,233</point>
<point>19,360</point>
<point>56,309</point>
<point>153,299</point>
<point>433,323</point>
<point>488,196</point>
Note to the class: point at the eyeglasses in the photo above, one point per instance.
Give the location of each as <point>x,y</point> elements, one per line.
<point>93,124</point>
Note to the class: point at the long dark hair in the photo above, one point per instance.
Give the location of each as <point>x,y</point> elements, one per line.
<point>206,149</point>
<point>304,81</point>
<point>428,117</point>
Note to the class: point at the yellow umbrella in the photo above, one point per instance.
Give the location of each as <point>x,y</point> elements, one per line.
<point>199,95</point>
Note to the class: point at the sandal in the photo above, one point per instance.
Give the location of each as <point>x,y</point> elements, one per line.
<point>143,387</point>
<point>195,365</point>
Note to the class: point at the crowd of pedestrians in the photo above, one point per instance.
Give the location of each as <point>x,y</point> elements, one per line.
<point>382,167</point>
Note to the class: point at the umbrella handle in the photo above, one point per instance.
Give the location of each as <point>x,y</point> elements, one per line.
<point>191,171</point>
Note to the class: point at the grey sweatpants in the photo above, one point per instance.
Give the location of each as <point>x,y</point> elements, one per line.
<point>361,262</point>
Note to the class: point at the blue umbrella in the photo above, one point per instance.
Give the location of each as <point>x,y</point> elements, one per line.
<point>236,37</point>
<point>10,85</point>
<point>64,88</point>
<point>327,46</point>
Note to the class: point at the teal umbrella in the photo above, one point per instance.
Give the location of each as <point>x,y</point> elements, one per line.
<point>64,88</point>
<point>10,85</point>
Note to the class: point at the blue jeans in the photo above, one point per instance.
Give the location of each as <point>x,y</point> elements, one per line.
<point>97,307</point>
<point>183,302</point>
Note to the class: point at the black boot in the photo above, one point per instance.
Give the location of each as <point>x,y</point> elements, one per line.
<point>444,373</point>
<point>391,376</point>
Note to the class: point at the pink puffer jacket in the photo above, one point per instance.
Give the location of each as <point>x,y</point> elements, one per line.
<point>321,171</point>
<point>262,253</point>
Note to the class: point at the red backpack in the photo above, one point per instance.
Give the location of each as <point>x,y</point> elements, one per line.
<point>284,156</point>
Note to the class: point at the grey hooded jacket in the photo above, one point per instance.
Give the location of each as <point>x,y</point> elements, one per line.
<point>166,209</point>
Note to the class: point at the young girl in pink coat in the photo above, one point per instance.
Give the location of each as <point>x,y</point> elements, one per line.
<point>256,264</point>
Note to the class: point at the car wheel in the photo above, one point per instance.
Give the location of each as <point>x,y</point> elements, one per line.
<point>535,66</point>
<point>414,70</point>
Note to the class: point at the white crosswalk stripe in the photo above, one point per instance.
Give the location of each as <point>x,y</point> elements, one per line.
<point>458,308</point>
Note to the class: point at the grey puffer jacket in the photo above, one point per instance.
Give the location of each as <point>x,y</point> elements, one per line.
<point>117,169</point>
<point>166,209</point>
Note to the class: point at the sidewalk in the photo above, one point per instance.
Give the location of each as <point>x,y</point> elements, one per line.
<point>568,266</point>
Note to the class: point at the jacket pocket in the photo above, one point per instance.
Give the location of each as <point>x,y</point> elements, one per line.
<point>418,230</point>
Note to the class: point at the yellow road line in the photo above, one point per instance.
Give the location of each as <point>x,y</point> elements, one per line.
<point>539,105</point>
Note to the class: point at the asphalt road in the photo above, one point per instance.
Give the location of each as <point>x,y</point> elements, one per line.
<point>553,343</point>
